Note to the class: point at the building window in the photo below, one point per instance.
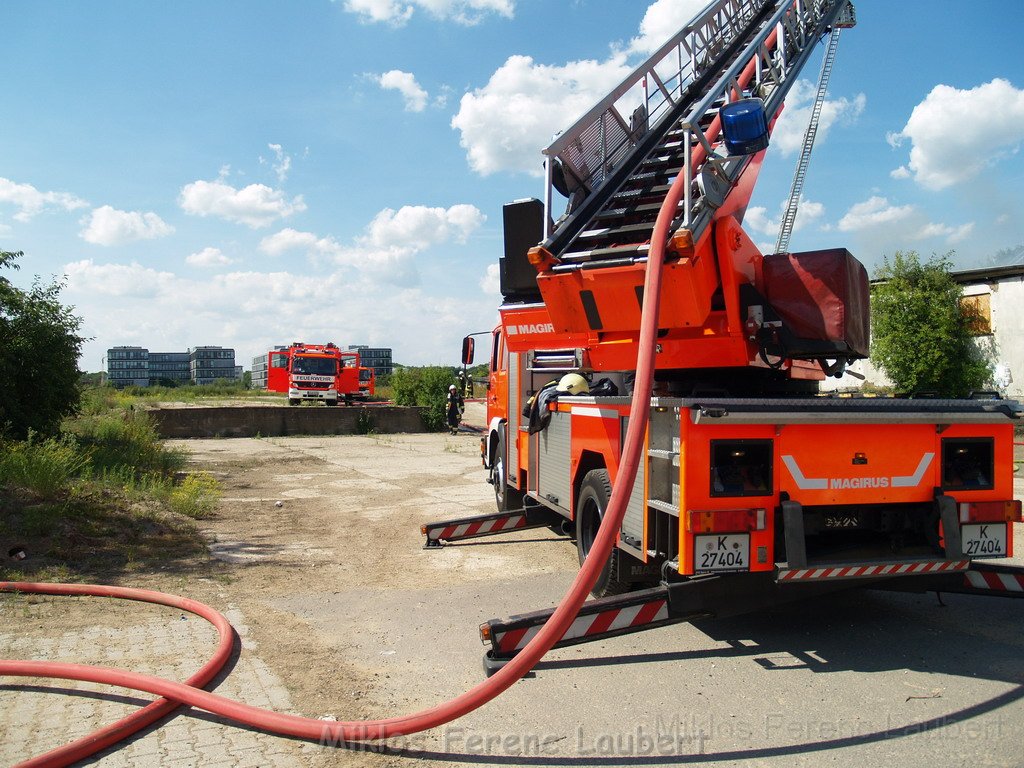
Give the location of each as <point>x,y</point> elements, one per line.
<point>978,311</point>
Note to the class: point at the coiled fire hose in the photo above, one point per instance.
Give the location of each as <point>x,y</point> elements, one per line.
<point>190,692</point>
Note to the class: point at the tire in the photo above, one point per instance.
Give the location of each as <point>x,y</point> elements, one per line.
<point>292,401</point>
<point>505,497</point>
<point>591,504</point>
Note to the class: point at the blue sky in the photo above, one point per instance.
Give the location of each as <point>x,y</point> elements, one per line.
<point>250,173</point>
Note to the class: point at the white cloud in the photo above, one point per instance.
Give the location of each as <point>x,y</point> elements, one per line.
<point>952,235</point>
<point>405,83</point>
<point>788,134</point>
<point>281,166</point>
<point>386,250</point>
<point>256,205</point>
<point>505,124</point>
<point>873,212</point>
<point>118,280</point>
<point>30,201</point>
<point>956,133</point>
<point>397,13</point>
<point>490,283</point>
<point>663,19</point>
<point>109,226</point>
<point>208,258</point>
<point>132,304</point>
<point>756,218</point>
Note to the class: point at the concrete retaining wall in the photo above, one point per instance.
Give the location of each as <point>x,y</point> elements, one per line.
<point>273,421</point>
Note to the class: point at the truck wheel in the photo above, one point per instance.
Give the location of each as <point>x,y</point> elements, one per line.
<point>505,496</point>
<point>590,507</point>
<point>292,401</point>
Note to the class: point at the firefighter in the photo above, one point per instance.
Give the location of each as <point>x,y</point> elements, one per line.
<point>455,404</point>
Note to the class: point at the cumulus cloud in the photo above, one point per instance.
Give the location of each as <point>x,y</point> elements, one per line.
<point>788,134</point>
<point>808,212</point>
<point>397,13</point>
<point>108,226</point>
<point>208,258</point>
<point>505,124</point>
<point>490,283</point>
<point>389,243</point>
<point>405,83</point>
<point>30,201</point>
<point>951,143</point>
<point>663,19</point>
<point>873,212</point>
<point>256,205</point>
<point>118,280</point>
<point>132,304</point>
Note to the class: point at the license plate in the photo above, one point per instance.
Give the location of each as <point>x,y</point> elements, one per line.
<point>722,552</point>
<point>984,539</point>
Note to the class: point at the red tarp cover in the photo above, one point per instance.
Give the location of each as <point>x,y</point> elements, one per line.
<point>821,295</point>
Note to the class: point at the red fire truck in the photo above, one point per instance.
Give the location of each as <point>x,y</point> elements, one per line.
<point>318,372</point>
<point>751,487</point>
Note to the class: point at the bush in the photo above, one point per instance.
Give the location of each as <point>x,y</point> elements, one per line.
<point>39,357</point>
<point>425,387</point>
<point>921,332</point>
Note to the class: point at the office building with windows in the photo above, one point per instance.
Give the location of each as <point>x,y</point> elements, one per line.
<point>378,358</point>
<point>138,367</point>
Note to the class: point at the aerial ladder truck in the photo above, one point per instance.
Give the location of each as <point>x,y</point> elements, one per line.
<point>753,488</point>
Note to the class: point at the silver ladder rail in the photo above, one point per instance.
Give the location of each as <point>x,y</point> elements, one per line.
<point>797,189</point>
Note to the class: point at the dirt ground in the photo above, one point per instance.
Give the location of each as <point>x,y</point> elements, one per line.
<point>316,557</point>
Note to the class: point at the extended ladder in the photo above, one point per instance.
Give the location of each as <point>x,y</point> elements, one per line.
<point>617,162</point>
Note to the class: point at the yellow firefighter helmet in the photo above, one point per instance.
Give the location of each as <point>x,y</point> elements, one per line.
<point>573,384</point>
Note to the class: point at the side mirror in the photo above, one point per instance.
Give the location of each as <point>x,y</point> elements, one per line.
<point>468,345</point>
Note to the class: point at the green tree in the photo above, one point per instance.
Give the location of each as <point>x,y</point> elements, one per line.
<point>425,387</point>
<point>920,330</point>
<point>39,356</point>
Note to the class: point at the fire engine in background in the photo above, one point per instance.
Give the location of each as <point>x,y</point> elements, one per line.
<point>752,487</point>
<point>319,372</point>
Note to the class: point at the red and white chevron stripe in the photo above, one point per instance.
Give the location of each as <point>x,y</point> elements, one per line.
<point>997,582</point>
<point>463,530</point>
<point>864,571</point>
<point>514,640</point>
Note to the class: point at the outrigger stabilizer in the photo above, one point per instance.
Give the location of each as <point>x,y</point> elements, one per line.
<point>726,595</point>
<point>449,531</point>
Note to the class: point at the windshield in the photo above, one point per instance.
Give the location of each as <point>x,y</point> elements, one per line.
<point>317,366</point>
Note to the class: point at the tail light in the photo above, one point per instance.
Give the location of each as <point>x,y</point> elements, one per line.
<point>990,512</point>
<point>725,520</point>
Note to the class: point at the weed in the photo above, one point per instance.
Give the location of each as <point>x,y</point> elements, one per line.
<point>196,495</point>
<point>44,467</point>
<point>364,423</point>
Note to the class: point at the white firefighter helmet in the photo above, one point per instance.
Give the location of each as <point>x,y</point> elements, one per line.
<point>451,387</point>
<point>573,384</point>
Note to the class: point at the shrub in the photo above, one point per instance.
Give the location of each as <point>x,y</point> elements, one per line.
<point>45,467</point>
<point>425,387</point>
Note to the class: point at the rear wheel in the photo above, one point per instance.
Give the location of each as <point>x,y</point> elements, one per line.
<point>590,510</point>
<point>505,496</point>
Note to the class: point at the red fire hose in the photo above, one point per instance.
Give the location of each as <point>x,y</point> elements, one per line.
<point>190,692</point>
